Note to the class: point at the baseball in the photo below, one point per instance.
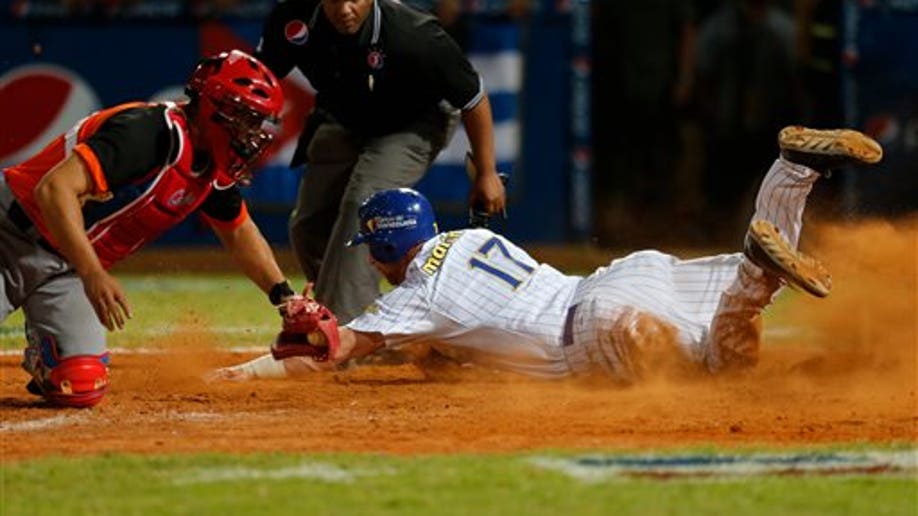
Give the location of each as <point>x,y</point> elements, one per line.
<point>317,339</point>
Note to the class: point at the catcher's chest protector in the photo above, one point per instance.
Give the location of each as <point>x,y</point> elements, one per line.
<point>170,195</point>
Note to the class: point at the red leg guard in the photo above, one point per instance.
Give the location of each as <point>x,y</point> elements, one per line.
<point>78,381</point>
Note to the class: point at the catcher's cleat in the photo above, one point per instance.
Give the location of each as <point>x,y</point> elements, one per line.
<point>766,248</point>
<point>34,388</point>
<point>826,149</point>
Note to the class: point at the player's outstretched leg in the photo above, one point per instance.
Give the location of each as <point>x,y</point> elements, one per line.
<point>773,248</point>
<point>772,258</point>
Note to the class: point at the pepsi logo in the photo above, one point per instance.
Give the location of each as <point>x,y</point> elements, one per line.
<point>296,32</point>
<point>38,102</point>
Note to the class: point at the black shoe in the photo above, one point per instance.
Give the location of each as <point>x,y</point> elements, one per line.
<point>766,248</point>
<point>34,388</point>
<point>825,150</point>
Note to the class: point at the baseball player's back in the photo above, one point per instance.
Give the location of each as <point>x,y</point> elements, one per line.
<point>473,293</point>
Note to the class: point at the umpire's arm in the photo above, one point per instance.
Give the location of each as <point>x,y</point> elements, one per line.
<point>487,188</point>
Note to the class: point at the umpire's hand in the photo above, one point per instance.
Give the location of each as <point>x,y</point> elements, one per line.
<point>488,193</point>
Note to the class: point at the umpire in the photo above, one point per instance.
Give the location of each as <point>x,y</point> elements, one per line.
<point>391,87</point>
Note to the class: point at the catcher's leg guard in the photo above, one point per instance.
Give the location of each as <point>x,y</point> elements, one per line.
<point>75,381</point>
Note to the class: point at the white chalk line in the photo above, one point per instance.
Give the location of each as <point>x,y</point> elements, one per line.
<point>43,423</point>
<point>312,470</point>
<point>87,416</point>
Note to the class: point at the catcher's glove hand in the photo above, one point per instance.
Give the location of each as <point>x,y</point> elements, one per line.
<point>309,329</point>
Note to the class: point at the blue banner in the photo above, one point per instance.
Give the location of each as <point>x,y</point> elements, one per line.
<point>880,57</point>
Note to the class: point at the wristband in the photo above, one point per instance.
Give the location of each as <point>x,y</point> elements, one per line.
<point>279,292</point>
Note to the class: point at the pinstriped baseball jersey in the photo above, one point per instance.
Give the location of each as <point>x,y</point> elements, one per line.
<point>476,296</point>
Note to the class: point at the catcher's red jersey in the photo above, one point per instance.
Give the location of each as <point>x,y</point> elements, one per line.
<point>140,210</point>
<point>23,178</point>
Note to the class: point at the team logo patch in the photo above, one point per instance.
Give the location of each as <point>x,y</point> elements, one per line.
<point>180,198</point>
<point>375,59</point>
<point>296,32</point>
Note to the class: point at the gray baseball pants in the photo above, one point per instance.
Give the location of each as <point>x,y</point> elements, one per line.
<point>343,170</point>
<point>47,289</point>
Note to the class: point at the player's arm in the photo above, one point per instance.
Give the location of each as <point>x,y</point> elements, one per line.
<point>226,213</point>
<point>58,197</point>
<point>356,344</point>
<point>251,253</point>
<point>353,344</point>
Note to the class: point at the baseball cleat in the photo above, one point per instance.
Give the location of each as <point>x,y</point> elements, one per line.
<point>826,149</point>
<point>766,248</point>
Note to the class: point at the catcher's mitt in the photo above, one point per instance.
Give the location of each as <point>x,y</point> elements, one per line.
<point>309,329</point>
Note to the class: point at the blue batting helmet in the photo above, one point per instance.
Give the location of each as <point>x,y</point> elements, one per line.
<point>394,221</point>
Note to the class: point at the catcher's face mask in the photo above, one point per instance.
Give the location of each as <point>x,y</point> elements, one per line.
<point>240,102</point>
<point>250,135</point>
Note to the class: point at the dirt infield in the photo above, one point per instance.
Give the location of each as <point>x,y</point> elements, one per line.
<point>843,370</point>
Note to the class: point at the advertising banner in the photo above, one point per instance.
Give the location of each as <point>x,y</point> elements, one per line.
<point>53,73</point>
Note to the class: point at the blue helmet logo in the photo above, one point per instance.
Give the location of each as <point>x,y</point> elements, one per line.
<point>393,221</point>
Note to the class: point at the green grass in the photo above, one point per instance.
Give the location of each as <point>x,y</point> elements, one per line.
<point>505,484</point>
<point>231,306</point>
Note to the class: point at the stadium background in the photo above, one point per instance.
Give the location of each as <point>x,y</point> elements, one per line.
<point>562,76</point>
<point>574,84</point>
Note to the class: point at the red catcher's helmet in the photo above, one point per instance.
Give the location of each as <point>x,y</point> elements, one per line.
<point>239,102</point>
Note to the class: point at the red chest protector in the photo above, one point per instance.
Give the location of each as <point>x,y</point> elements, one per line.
<point>174,193</point>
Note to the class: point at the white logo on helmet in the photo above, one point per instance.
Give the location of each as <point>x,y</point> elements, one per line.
<point>392,222</point>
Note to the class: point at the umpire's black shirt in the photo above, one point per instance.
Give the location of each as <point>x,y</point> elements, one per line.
<point>399,65</point>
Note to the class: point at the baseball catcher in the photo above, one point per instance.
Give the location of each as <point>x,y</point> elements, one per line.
<point>120,178</point>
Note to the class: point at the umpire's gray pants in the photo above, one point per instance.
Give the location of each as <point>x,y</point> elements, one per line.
<point>343,170</point>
